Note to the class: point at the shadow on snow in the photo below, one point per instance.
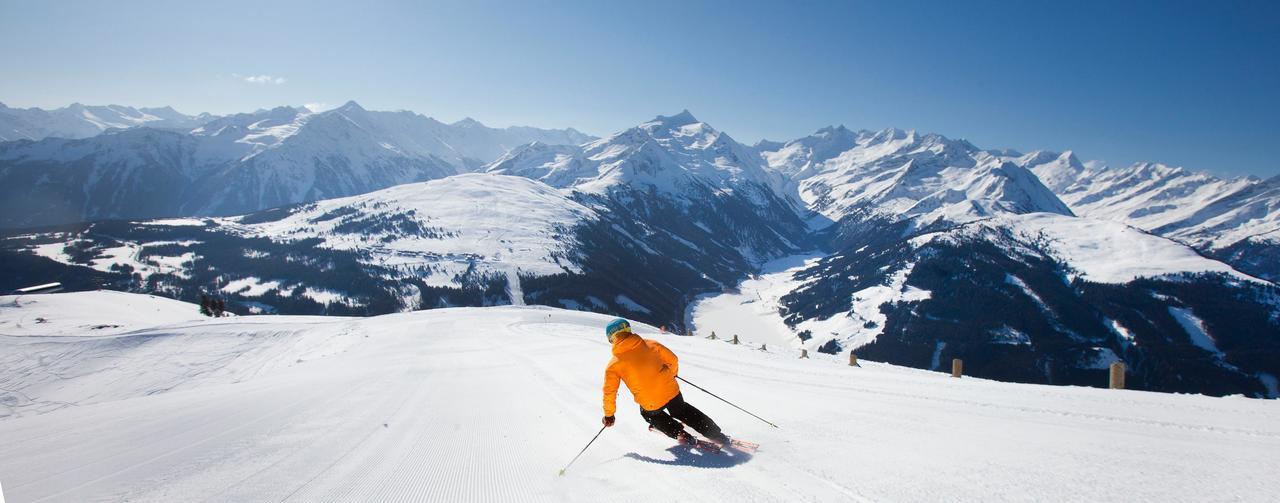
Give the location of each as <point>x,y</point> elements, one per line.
<point>688,456</point>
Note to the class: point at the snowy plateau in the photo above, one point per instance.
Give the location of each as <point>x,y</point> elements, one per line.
<point>487,404</point>
<point>903,247</point>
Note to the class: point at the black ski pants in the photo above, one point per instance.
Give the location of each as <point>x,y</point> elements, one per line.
<point>668,418</point>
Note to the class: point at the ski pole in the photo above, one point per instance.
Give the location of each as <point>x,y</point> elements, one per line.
<point>686,381</point>
<point>584,449</point>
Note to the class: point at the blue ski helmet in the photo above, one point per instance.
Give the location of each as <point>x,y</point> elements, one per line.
<point>616,327</point>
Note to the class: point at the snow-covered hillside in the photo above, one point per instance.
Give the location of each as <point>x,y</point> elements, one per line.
<point>778,306</point>
<point>668,153</point>
<point>1197,208</point>
<point>242,163</point>
<point>92,313</point>
<point>676,177</point>
<point>926,179</point>
<point>392,245</point>
<point>468,239</point>
<point>679,199</point>
<point>465,144</point>
<point>938,249</point>
<point>1237,219</point>
<point>81,121</point>
<point>1097,250</point>
<point>489,403</point>
<point>478,223</point>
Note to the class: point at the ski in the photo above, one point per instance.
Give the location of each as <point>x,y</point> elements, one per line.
<point>743,445</point>
<point>737,445</point>
<point>716,448</point>
<point>707,446</point>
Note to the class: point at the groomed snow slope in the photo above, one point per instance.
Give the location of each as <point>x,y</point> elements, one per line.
<point>487,404</point>
<point>103,312</point>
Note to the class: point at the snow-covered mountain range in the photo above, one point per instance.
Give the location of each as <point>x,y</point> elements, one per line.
<point>1236,220</point>
<point>925,179</point>
<point>242,163</point>
<point>942,250</point>
<point>1196,208</point>
<point>928,248</point>
<point>668,153</point>
<point>679,177</point>
<point>83,121</point>
<point>673,208</point>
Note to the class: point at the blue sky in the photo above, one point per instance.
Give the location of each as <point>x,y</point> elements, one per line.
<point>1194,84</point>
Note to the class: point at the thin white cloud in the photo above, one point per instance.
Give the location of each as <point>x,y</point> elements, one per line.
<point>260,79</point>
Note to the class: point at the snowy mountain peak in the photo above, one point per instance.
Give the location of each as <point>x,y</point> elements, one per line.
<point>891,134</point>
<point>766,144</point>
<point>832,131</point>
<point>1056,170</point>
<point>684,118</point>
<point>1195,208</point>
<point>468,122</point>
<point>1065,159</point>
<point>163,109</point>
<point>954,151</point>
<point>168,113</point>
<point>81,121</point>
<point>672,154</point>
<point>555,165</point>
<point>902,174</point>
<point>793,158</point>
<point>350,106</point>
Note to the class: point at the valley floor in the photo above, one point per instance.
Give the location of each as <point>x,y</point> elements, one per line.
<point>487,404</point>
<point>751,310</point>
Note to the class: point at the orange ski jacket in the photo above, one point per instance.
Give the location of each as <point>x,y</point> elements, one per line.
<point>648,368</point>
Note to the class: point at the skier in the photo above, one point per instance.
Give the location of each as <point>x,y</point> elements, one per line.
<point>650,369</point>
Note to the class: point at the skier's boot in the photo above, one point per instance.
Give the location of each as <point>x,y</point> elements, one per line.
<point>721,441</point>
<point>686,439</point>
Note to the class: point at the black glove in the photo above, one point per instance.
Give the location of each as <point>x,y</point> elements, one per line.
<point>608,421</point>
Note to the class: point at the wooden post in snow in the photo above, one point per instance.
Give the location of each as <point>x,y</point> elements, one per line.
<point>735,338</point>
<point>804,353</point>
<point>762,348</point>
<point>957,367</point>
<point>853,360</point>
<point>1117,375</point>
<point>712,336</point>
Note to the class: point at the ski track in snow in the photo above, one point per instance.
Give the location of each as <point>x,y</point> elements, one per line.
<point>487,404</point>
